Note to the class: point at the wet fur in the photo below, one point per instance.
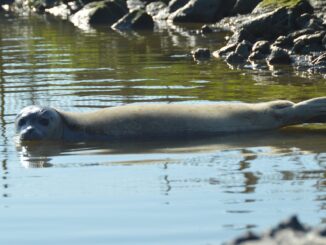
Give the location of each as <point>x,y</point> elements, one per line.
<point>187,120</point>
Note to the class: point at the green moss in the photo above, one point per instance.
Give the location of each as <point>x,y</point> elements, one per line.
<point>279,3</point>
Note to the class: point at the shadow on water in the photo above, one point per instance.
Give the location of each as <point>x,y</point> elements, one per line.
<point>306,139</point>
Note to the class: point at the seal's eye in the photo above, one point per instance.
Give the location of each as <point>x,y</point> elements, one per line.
<point>21,122</point>
<point>44,121</point>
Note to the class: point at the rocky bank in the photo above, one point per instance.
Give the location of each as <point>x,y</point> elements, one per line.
<point>266,33</point>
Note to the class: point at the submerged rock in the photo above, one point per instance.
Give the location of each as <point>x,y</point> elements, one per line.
<point>205,29</point>
<point>201,54</point>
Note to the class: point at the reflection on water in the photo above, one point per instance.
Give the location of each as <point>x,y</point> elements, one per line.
<point>200,191</point>
<point>282,142</point>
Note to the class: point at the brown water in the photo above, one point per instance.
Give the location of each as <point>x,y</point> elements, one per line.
<point>187,192</point>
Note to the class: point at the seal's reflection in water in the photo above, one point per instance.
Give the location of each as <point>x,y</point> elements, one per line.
<point>306,139</point>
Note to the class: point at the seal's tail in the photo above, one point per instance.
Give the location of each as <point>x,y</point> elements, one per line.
<point>310,111</point>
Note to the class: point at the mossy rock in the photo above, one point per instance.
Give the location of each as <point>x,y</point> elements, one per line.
<point>270,5</point>
<point>299,6</point>
<point>279,3</point>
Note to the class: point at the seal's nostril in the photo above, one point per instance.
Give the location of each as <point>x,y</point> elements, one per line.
<point>29,133</point>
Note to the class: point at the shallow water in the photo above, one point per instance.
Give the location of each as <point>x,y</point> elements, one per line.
<point>202,191</point>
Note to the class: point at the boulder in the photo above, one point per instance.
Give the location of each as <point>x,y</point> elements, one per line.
<point>260,50</point>
<point>297,6</point>
<point>235,58</point>
<point>309,43</point>
<point>244,49</point>
<point>279,56</point>
<point>202,11</point>
<point>244,6</point>
<point>262,47</point>
<point>102,12</point>
<point>224,51</point>
<point>283,42</point>
<point>135,20</point>
<point>201,54</point>
<point>276,22</point>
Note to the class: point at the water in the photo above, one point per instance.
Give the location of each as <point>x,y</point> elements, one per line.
<point>203,191</point>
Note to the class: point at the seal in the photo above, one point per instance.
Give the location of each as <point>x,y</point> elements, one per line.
<point>155,121</point>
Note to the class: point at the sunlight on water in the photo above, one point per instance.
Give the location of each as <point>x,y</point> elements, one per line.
<point>201,191</point>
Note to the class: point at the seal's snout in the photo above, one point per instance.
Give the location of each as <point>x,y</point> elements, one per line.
<point>30,133</point>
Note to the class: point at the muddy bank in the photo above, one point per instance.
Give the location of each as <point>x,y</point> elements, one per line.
<point>289,232</point>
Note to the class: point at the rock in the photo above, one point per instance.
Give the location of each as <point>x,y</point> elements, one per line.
<point>103,12</point>
<point>262,47</point>
<point>279,56</point>
<point>136,19</point>
<point>295,34</point>
<point>319,8</point>
<point>323,42</point>
<point>309,43</point>
<point>297,6</point>
<point>256,55</point>
<point>301,7</point>
<point>205,29</point>
<point>303,20</point>
<point>244,49</point>
<point>283,42</point>
<point>320,60</point>
<point>202,11</point>
<point>244,6</point>
<point>235,58</point>
<point>224,51</point>
<point>316,24</point>
<point>64,10</point>
<point>280,36</point>
<point>260,50</point>
<point>318,65</point>
<point>289,232</point>
<point>247,237</point>
<point>201,54</point>
<point>158,10</point>
<point>134,4</point>
<point>5,2</point>
<point>174,5</point>
<point>292,223</point>
<point>276,22</point>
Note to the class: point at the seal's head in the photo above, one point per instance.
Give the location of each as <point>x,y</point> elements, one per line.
<point>38,123</point>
